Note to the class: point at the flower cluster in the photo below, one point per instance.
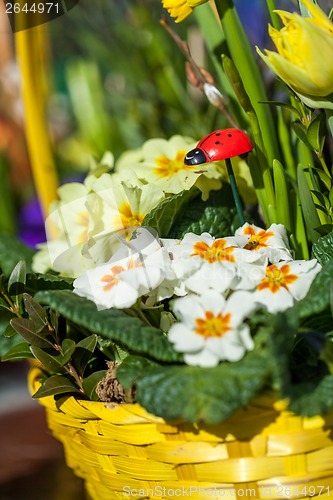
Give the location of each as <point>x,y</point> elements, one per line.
<point>82,224</point>
<point>214,283</point>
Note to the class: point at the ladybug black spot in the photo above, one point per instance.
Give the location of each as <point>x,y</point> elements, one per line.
<point>218,134</point>
<point>229,135</point>
<point>217,142</point>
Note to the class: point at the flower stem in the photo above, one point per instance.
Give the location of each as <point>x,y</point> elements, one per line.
<point>244,60</point>
<point>235,192</point>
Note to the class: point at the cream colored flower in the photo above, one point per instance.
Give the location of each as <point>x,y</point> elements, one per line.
<point>161,162</point>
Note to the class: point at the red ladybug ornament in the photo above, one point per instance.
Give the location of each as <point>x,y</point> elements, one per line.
<point>219,145</point>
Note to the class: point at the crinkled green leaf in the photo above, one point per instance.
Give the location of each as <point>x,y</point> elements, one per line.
<point>11,252</point>
<point>83,352</point>
<point>217,215</point>
<point>111,324</point>
<point>36,312</point>
<point>312,398</point>
<point>133,367</point>
<point>90,383</point>
<point>57,384</point>
<point>197,394</point>
<point>18,352</point>
<point>322,250</point>
<point>216,221</point>
<point>168,212</point>
<point>25,328</point>
<point>318,297</point>
<point>48,281</point>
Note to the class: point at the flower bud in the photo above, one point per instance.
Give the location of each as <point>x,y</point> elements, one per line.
<point>305,52</point>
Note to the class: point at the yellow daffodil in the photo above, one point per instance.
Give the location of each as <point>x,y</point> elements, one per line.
<point>305,49</point>
<point>180,9</point>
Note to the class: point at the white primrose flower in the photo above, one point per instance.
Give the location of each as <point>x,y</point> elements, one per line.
<point>286,283</point>
<point>211,328</point>
<point>136,269</point>
<point>203,262</point>
<point>273,242</point>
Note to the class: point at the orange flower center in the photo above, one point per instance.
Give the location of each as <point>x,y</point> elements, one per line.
<point>216,253</point>
<point>257,240</point>
<point>112,280</point>
<point>277,278</point>
<point>213,326</point>
<point>167,167</point>
<point>127,218</point>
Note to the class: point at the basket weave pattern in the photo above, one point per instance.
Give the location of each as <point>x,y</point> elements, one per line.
<point>262,452</point>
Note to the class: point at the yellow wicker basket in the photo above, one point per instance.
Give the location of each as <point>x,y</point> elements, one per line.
<point>261,452</point>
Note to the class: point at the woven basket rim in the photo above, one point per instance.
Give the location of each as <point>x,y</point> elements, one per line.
<point>266,400</point>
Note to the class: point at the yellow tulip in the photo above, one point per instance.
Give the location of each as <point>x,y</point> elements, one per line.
<point>305,52</point>
<point>180,9</point>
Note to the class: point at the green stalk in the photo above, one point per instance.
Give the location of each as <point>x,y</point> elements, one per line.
<point>214,40</point>
<point>245,62</point>
<point>235,192</point>
<point>260,172</point>
<point>274,17</point>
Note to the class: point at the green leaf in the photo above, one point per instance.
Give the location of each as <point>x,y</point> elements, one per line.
<point>217,221</point>
<point>112,324</point>
<point>318,297</point>
<point>17,280</point>
<point>57,384</point>
<point>132,368</point>
<point>25,328</point>
<point>283,209</point>
<point>197,394</point>
<point>308,207</point>
<point>35,311</point>
<point>312,398</point>
<point>167,213</point>
<point>68,347</point>
<point>322,250</point>
<point>90,383</point>
<point>83,352</point>
<point>48,281</point>
<point>280,334</point>
<point>9,332</point>
<point>316,132</point>
<point>12,251</point>
<point>18,352</point>
<point>301,132</point>
<point>50,359</point>
<point>284,105</point>
<point>7,343</point>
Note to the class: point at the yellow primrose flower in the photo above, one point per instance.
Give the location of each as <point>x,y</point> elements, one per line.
<point>180,9</point>
<point>305,49</point>
<point>161,162</point>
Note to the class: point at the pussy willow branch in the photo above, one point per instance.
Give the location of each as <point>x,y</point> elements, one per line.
<point>201,78</point>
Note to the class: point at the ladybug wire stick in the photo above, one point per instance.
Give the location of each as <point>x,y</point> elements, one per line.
<point>235,192</point>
